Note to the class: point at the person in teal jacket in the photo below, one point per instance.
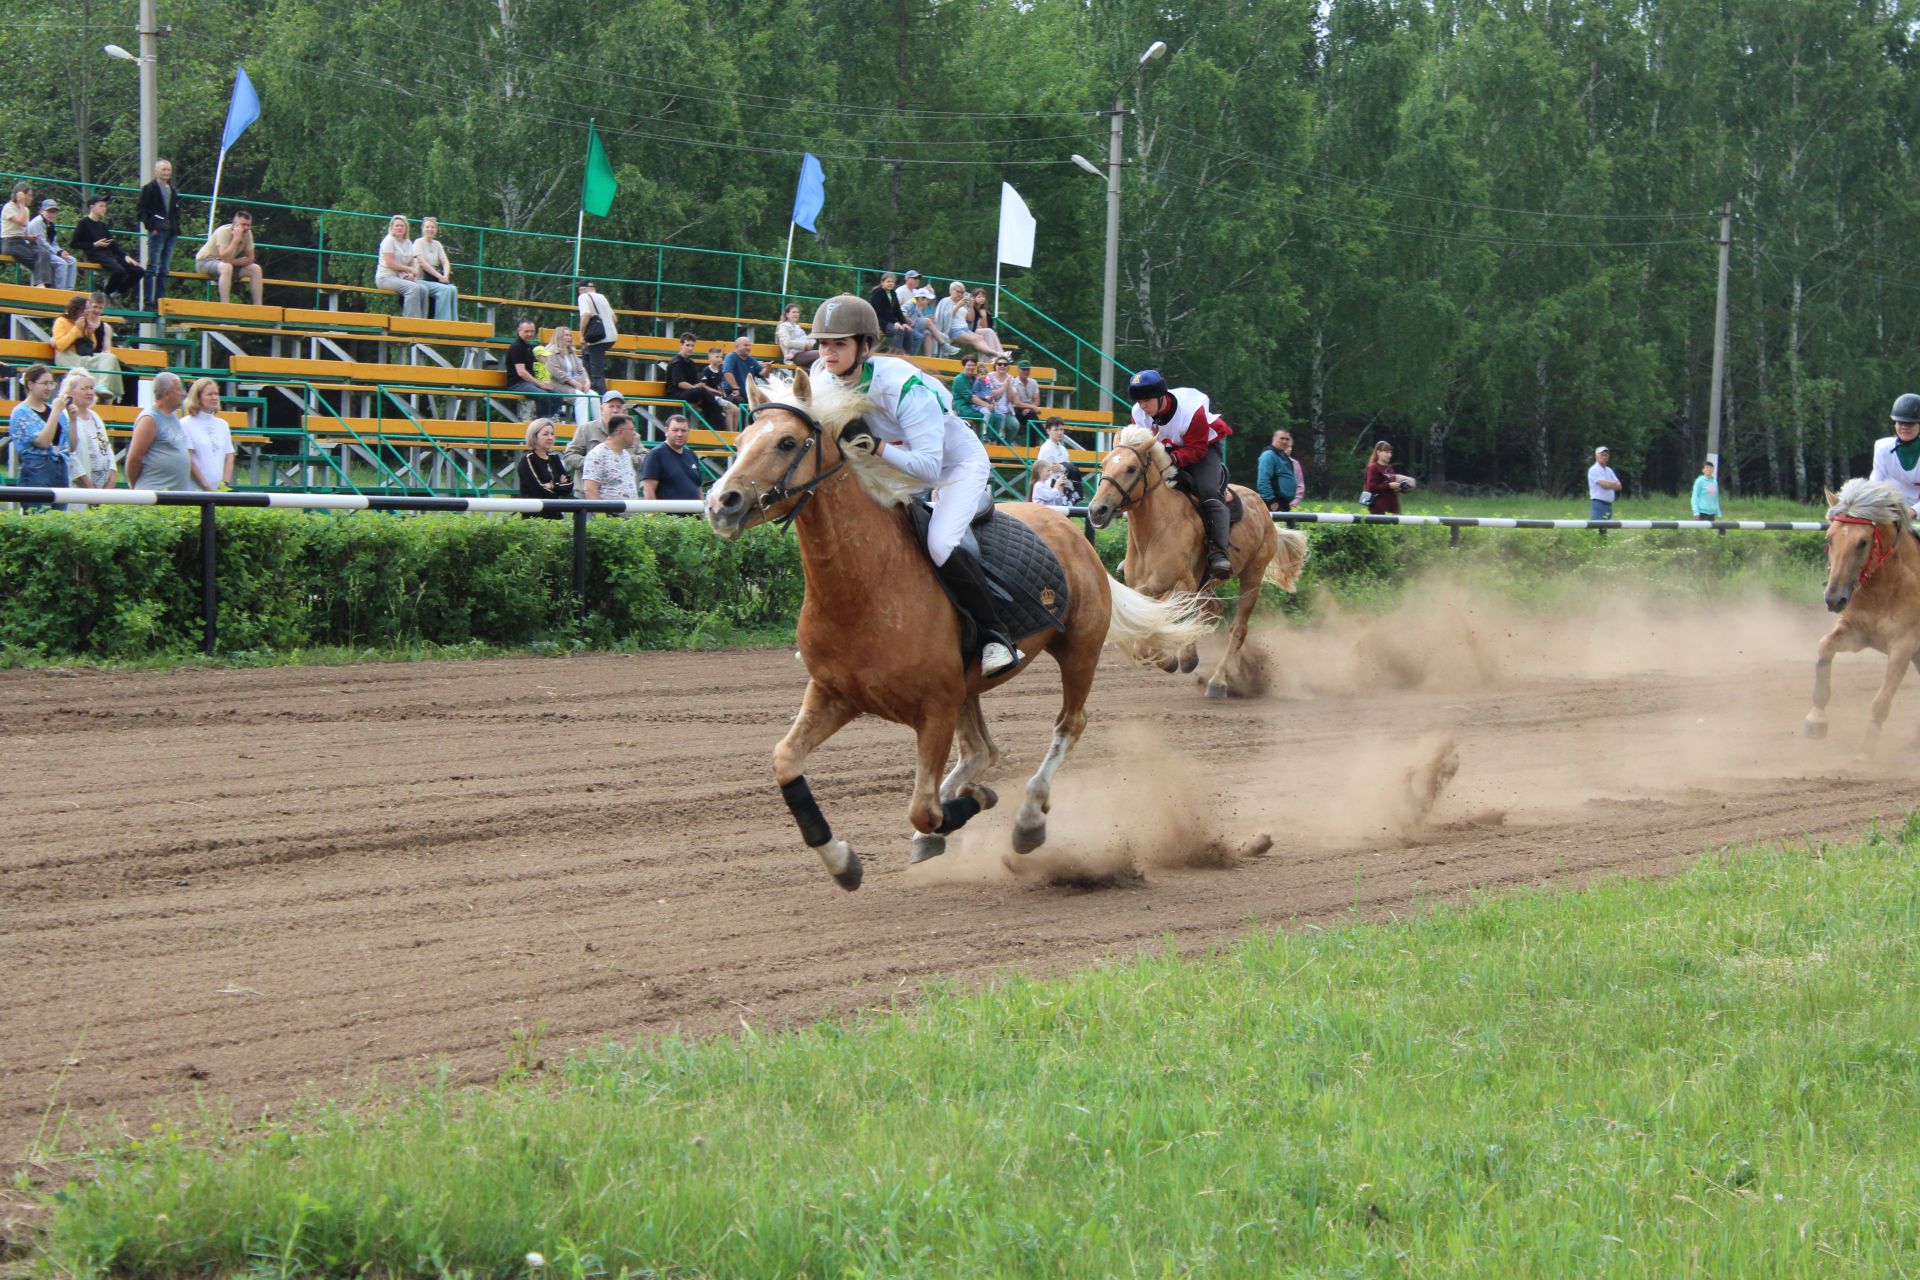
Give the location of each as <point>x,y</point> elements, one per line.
<point>1706,494</point>
<point>1275,480</point>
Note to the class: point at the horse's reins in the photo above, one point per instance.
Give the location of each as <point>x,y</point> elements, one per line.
<point>785,489</point>
<point>1878,554</point>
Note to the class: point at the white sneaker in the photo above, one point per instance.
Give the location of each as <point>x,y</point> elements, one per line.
<point>997,657</point>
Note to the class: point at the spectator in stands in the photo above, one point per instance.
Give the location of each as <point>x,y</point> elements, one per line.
<point>1056,445</point>
<point>963,385</point>
<point>796,344</point>
<point>683,383</point>
<point>909,289</point>
<point>159,457</point>
<point>1299,474</point>
<point>44,231</point>
<point>399,270</point>
<point>14,217</point>
<point>980,318</point>
<point>120,275</point>
<point>1274,479</point>
<point>671,470</point>
<point>208,434</point>
<point>37,431</point>
<point>953,325</point>
<point>541,474</point>
<point>82,339</point>
<point>1023,399</point>
<point>997,388</point>
<point>742,366</point>
<point>228,253</point>
<point>608,470</point>
<point>567,373</point>
<point>1050,487</point>
<point>1603,486</point>
<point>598,330</point>
<point>713,375</point>
<point>885,299</point>
<point>521,374</point>
<point>612,405</point>
<point>436,273</point>
<point>913,314</point>
<point>158,214</point>
<point>89,450</point>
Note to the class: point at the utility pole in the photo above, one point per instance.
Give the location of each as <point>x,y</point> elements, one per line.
<point>1719,346</point>
<point>1110,296</point>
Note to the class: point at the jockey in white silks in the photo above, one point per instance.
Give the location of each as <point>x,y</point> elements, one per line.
<point>1896,458</point>
<point>912,427</point>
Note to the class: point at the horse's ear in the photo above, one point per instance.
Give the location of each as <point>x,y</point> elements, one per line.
<point>802,387</point>
<point>1833,498</point>
<point>756,393</point>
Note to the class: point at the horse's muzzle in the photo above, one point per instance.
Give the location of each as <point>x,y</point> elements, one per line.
<point>1099,514</point>
<point>1837,600</point>
<point>727,510</point>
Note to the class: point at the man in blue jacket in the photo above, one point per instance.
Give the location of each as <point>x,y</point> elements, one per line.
<point>1276,481</point>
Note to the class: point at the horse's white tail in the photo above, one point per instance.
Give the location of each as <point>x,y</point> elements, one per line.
<point>1147,629</point>
<point>1283,571</point>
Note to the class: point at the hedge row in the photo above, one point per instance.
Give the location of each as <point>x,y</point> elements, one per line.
<point>123,582</point>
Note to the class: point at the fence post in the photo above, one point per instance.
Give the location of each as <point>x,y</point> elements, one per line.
<point>1453,537</point>
<point>480,266</point>
<point>209,588</point>
<point>580,562</point>
<point>320,270</point>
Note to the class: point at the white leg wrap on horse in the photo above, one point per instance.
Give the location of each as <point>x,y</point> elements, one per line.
<point>835,855</point>
<point>1040,786</point>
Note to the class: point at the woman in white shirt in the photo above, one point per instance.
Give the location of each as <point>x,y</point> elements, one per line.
<point>436,273</point>
<point>208,437</point>
<point>796,345</point>
<point>568,373</point>
<point>399,270</point>
<point>90,459</point>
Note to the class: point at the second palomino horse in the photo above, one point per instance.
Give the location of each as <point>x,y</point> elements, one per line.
<point>1873,583</point>
<point>1166,543</point>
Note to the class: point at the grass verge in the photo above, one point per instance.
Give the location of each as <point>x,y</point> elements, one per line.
<point>1711,1075</point>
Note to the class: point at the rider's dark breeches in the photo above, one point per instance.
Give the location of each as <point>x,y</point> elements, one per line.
<point>1207,481</point>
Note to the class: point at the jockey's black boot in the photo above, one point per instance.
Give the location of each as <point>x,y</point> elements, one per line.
<point>1213,514</point>
<point>968,583</point>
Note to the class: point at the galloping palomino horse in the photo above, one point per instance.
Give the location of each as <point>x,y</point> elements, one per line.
<point>1166,543</point>
<point>879,635</point>
<point>1873,583</point>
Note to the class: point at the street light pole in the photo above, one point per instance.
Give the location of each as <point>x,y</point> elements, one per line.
<point>149,95</point>
<point>1110,295</point>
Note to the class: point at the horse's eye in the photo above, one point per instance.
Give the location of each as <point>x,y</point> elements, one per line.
<point>788,444</point>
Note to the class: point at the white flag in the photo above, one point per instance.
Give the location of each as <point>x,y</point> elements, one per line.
<point>1016,228</point>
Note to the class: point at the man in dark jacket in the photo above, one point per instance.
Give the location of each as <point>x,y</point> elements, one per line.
<point>684,383</point>
<point>158,214</point>
<point>120,276</point>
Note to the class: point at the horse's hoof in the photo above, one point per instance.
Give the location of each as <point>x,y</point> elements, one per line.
<point>1027,839</point>
<point>987,796</point>
<point>841,863</point>
<point>1169,665</point>
<point>1815,729</point>
<point>1188,661</point>
<point>926,847</point>
<point>850,878</point>
<point>1215,692</point>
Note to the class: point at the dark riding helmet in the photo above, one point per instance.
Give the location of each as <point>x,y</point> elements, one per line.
<point>1146,385</point>
<point>1907,408</point>
<point>845,316</point>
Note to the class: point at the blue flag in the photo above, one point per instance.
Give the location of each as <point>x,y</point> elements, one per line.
<point>242,111</point>
<point>812,192</point>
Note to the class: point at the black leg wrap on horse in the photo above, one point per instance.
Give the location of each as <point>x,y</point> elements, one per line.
<point>806,811</point>
<point>956,813</point>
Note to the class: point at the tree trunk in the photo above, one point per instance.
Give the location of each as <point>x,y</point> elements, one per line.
<point>1769,435</point>
<point>1317,397</point>
<point>1437,453</point>
<point>1796,394</point>
<point>1542,450</point>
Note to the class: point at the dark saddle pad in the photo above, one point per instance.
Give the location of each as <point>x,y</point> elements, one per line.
<point>1235,507</point>
<point>1025,577</point>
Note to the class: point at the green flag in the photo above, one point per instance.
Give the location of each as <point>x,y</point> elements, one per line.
<point>600,186</point>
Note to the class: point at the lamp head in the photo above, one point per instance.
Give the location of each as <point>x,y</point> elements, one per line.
<point>115,51</point>
<point>1154,50</point>
<point>1087,164</point>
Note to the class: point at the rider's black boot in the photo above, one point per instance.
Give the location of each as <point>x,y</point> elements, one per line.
<point>968,583</point>
<point>1213,513</point>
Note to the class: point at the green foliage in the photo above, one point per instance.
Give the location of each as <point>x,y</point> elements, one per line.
<point>1710,1075</point>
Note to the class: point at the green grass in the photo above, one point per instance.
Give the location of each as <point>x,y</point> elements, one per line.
<point>1574,507</point>
<point>1712,1075</point>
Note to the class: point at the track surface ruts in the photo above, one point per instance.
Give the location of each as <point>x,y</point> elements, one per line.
<point>251,885</point>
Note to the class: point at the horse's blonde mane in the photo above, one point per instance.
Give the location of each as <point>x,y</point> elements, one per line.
<point>1874,500</point>
<point>1138,437</point>
<point>836,405</point>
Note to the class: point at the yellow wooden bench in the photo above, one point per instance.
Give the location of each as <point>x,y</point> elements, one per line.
<point>221,313</point>
<point>42,353</point>
<point>122,415</point>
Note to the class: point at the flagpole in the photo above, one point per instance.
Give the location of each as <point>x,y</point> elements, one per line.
<point>213,208</point>
<point>786,268</point>
<point>579,229</point>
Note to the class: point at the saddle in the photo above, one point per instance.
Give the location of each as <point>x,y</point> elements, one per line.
<point>1026,578</point>
<point>1235,507</point>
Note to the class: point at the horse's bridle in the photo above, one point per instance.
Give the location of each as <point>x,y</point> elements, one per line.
<point>1877,554</point>
<point>1127,495</point>
<point>786,488</point>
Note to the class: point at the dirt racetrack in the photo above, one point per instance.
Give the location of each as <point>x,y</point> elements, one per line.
<point>249,885</point>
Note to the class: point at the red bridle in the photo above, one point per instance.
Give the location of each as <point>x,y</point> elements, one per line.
<point>1877,554</point>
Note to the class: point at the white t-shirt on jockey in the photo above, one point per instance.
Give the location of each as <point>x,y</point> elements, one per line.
<point>1886,466</point>
<point>1193,425</point>
<point>913,415</point>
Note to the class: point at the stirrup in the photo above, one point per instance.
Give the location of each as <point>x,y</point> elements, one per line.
<point>996,657</point>
<point>1220,565</point>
